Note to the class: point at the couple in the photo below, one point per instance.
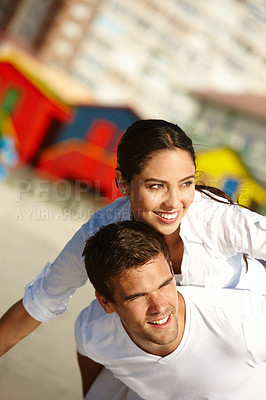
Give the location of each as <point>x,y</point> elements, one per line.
<point>212,242</point>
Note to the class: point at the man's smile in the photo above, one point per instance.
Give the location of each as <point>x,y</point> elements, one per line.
<point>163,321</point>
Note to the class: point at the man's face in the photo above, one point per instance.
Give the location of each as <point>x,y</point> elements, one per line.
<point>145,299</point>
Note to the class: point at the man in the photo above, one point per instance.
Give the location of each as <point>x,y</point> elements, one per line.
<point>161,341</point>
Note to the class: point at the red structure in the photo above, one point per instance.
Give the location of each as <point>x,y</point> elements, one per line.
<point>85,149</point>
<point>34,114</point>
<point>54,134</point>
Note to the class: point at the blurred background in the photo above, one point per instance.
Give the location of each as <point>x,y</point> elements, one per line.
<point>74,74</point>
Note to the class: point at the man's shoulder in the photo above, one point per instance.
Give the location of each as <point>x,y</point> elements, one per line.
<point>90,314</point>
<point>92,324</point>
<point>213,297</point>
<point>232,301</point>
<point>97,333</point>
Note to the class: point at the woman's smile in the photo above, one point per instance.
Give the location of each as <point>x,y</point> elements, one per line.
<point>166,217</point>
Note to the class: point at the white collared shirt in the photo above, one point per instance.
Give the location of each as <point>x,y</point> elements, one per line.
<point>215,236</point>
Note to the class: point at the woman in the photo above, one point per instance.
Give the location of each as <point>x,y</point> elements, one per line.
<point>206,234</point>
<point>156,170</point>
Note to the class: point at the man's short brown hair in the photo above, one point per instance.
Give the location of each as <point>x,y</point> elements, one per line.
<point>117,247</point>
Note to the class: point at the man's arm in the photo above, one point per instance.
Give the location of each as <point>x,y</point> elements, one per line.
<point>89,370</point>
<point>15,324</point>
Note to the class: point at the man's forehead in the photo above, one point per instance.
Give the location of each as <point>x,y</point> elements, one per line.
<point>158,263</point>
<point>142,278</point>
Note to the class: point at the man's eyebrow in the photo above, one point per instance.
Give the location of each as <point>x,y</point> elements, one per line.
<point>135,295</point>
<point>132,296</point>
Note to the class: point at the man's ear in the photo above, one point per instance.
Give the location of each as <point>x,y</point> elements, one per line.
<point>105,304</point>
<point>121,183</point>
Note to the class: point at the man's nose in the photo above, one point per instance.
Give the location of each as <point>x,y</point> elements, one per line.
<point>157,304</point>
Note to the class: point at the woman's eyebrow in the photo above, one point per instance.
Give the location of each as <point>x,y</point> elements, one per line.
<point>155,180</point>
<point>188,177</point>
<point>162,181</point>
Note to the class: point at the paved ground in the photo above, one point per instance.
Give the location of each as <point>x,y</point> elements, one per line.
<point>33,230</point>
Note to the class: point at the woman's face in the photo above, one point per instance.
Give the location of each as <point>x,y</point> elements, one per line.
<point>161,194</point>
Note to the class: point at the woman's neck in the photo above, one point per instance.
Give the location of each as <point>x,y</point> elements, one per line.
<point>176,248</point>
<point>173,239</point>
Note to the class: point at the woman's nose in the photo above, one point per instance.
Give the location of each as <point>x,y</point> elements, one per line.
<point>172,199</point>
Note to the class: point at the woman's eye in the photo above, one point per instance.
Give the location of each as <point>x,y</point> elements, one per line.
<point>188,183</point>
<point>156,186</point>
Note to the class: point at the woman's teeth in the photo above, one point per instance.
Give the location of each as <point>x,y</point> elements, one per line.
<point>167,216</point>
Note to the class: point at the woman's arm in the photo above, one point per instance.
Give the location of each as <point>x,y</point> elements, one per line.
<point>89,370</point>
<point>15,324</point>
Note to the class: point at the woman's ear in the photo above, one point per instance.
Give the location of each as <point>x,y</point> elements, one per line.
<point>105,304</point>
<point>121,183</point>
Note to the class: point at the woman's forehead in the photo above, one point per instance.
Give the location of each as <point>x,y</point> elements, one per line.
<point>177,160</point>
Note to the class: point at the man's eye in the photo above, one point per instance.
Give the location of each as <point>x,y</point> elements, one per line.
<point>137,297</point>
<point>167,283</point>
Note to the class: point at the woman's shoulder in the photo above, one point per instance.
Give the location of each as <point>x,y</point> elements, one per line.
<point>207,202</point>
<point>213,212</point>
<point>205,211</point>
<point>118,210</point>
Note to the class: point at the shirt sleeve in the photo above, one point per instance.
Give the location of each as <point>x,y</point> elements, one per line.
<point>47,296</point>
<point>239,230</point>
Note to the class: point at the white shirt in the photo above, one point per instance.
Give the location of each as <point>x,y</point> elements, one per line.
<point>222,354</point>
<point>214,237</point>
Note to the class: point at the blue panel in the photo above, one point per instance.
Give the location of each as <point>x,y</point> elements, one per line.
<point>230,187</point>
<point>85,116</point>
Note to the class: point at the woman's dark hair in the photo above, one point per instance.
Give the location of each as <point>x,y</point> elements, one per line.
<point>146,137</point>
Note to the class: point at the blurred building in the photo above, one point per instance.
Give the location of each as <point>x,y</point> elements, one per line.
<point>236,121</point>
<point>28,21</point>
<point>148,53</point>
